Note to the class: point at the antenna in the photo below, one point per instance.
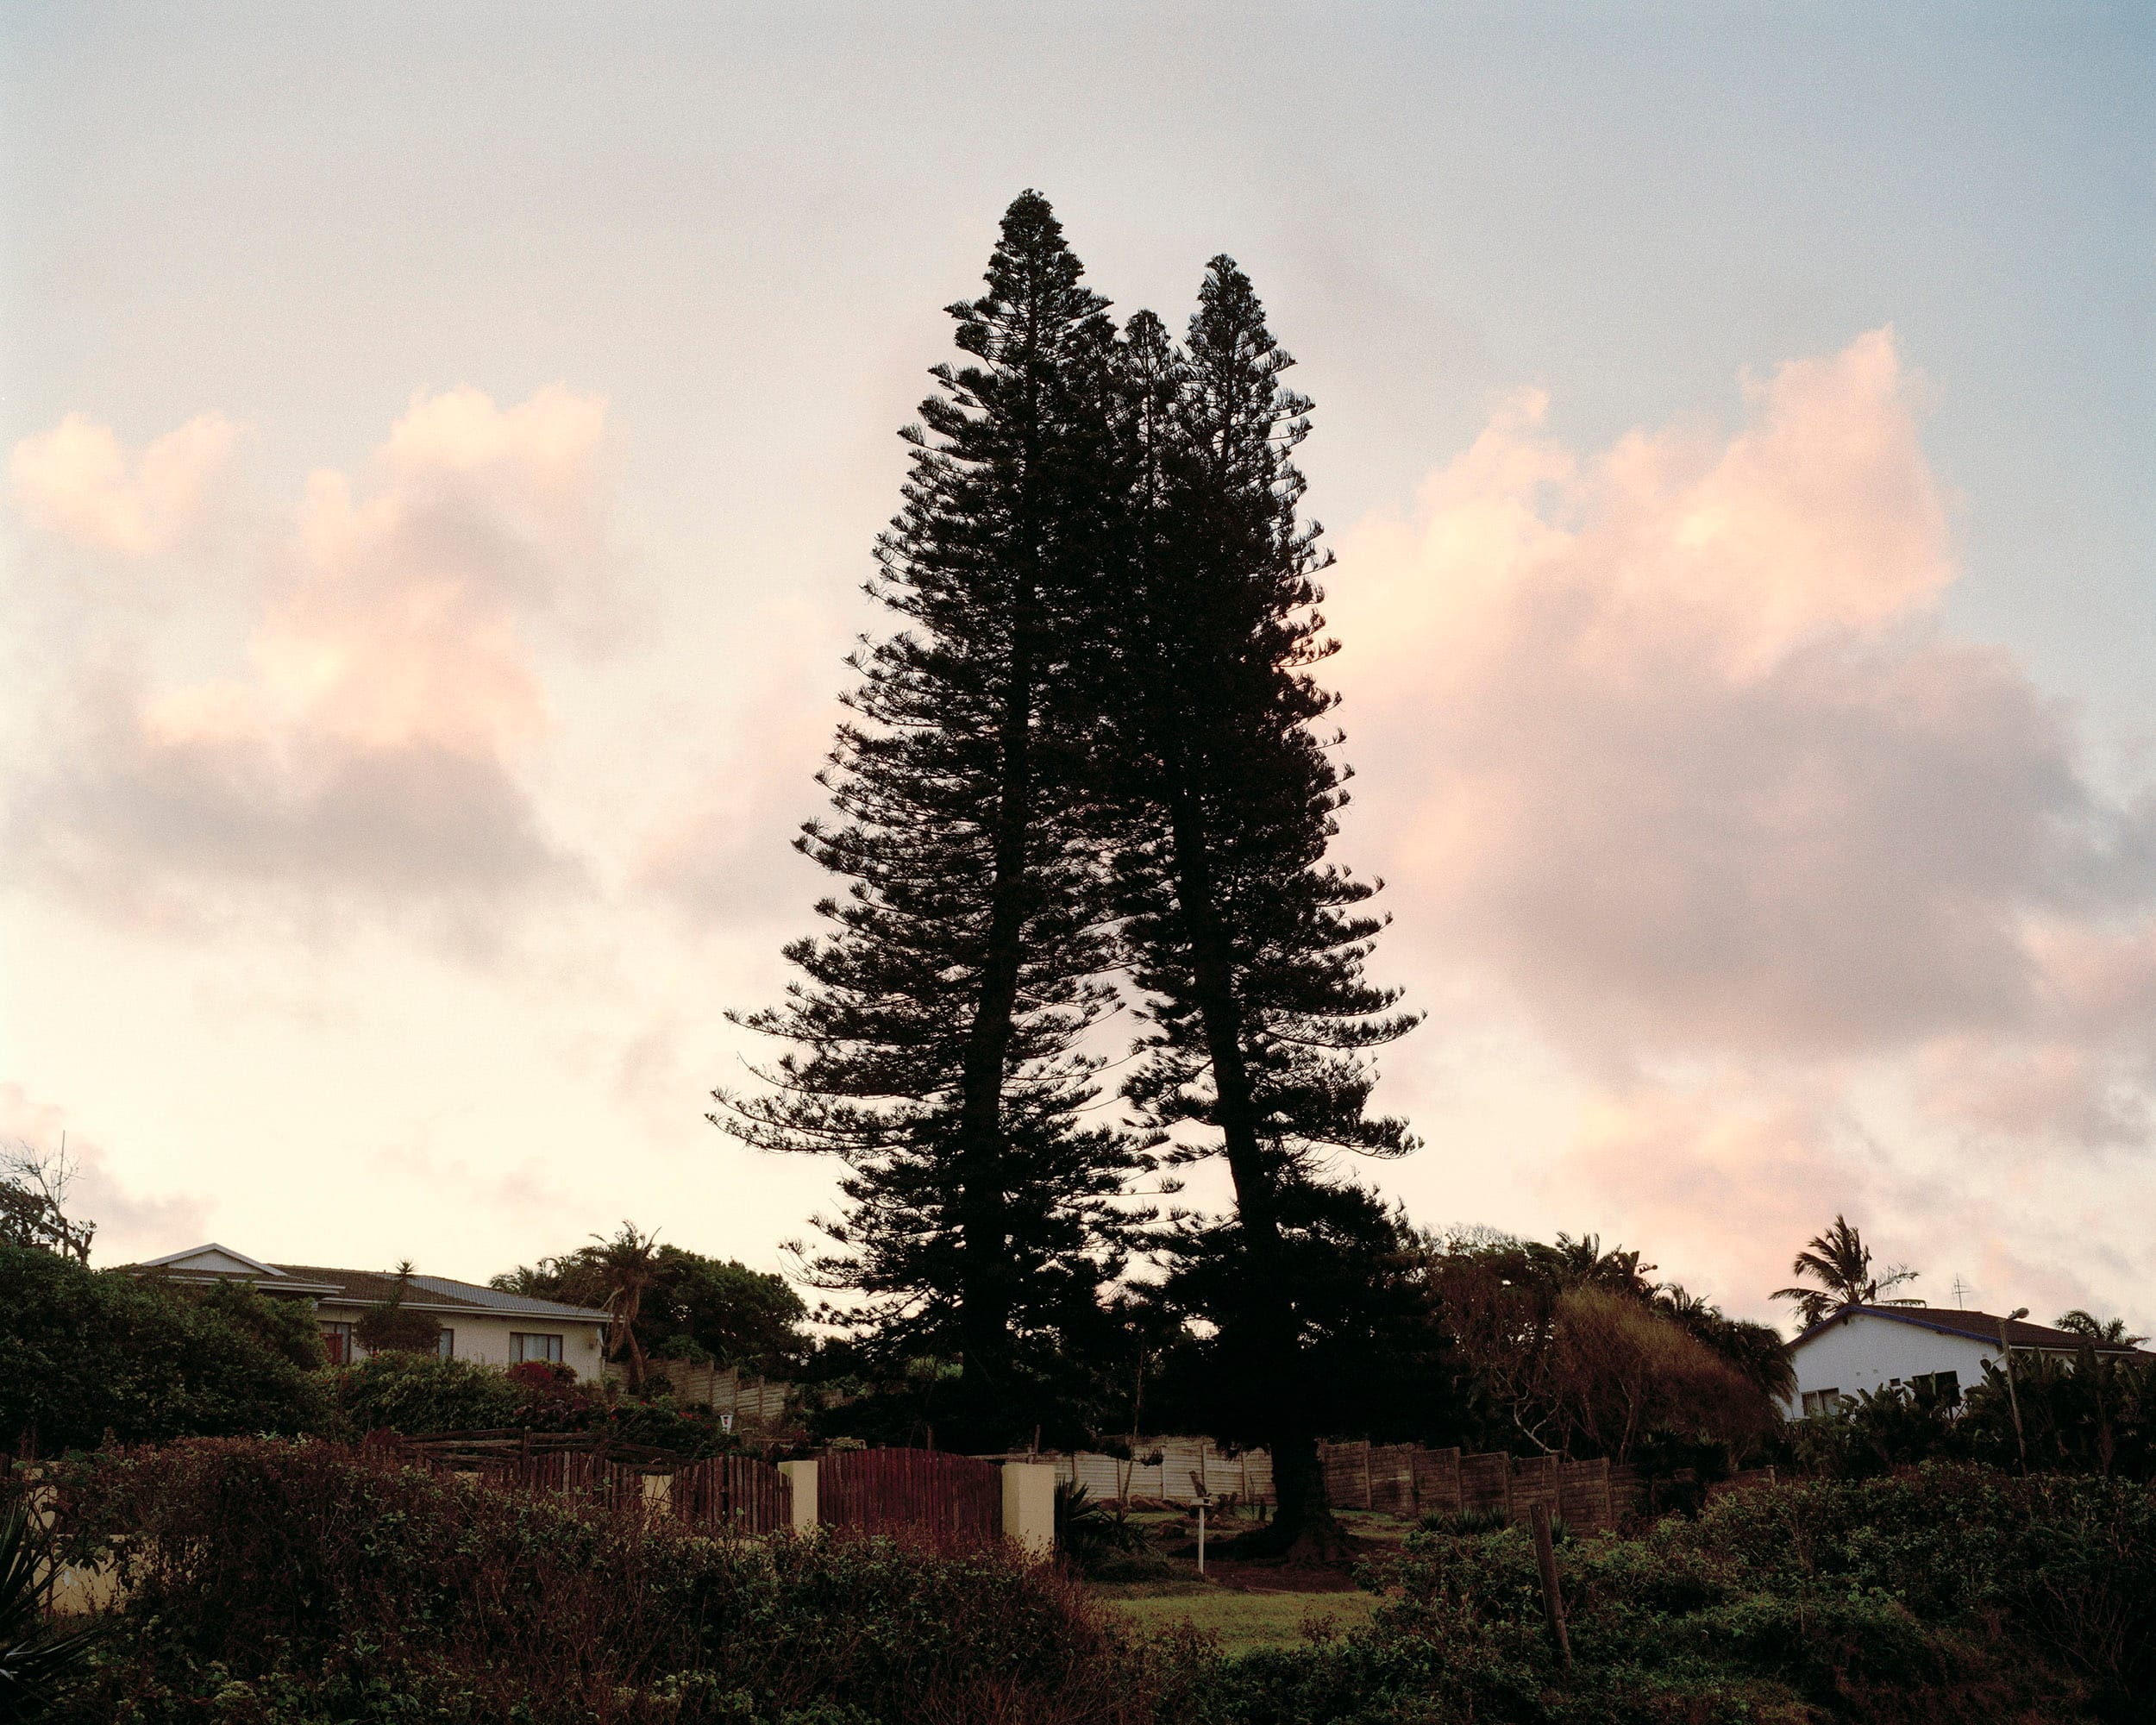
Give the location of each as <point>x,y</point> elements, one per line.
<point>1960,1289</point>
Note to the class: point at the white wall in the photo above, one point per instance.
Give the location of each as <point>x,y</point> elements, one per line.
<point>485,1336</point>
<point>1862,1351</point>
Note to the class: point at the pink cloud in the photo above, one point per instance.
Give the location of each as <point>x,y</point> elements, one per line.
<point>78,480</point>
<point>1726,1177</point>
<point>1672,746</point>
<point>378,743</point>
<point>1672,743</point>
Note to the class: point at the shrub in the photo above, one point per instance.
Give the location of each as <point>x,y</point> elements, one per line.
<point>83,1352</point>
<point>281,1583</point>
<point>415,1393</point>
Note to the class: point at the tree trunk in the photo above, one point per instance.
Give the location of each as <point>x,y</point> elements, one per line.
<point>984,1318</point>
<point>1303,1524</point>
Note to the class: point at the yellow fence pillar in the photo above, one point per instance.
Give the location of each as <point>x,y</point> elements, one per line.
<point>1028,1506</point>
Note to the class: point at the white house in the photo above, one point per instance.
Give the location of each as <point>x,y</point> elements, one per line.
<point>474,1322</point>
<point>1876,1347</point>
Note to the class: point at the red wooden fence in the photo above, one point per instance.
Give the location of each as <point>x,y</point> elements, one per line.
<point>733,1493</point>
<point>576,1473</point>
<point>951,1497</point>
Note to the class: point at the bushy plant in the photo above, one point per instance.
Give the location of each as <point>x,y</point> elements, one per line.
<point>287,1584</point>
<point>1948,1593</point>
<point>83,1353</point>
<point>416,1394</point>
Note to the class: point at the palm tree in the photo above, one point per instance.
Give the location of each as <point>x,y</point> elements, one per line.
<point>1840,1263</point>
<point>615,1274</point>
<point>2109,1330</point>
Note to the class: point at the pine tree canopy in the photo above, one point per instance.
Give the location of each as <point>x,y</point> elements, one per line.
<point>935,1024</point>
<point>1246,944</point>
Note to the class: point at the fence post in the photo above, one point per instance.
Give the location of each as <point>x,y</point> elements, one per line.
<point>801,1476</point>
<point>1546,1562</point>
<point>1028,1506</point>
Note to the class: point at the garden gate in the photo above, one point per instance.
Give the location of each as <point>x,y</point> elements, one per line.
<point>947,1497</point>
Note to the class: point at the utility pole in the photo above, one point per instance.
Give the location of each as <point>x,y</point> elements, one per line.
<point>2013,1401</point>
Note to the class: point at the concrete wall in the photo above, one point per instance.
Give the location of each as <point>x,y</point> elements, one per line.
<point>1863,1352</point>
<point>484,1336</point>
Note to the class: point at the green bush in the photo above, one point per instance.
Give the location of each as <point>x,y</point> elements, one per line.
<point>85,1352</point>
<point>415,1393</point>
<point>1949,1593</point>
<point>283,1583</point>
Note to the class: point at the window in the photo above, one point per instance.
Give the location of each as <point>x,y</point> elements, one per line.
<point>445,1344</point>
<point>338,1342</point>
<point>523,1346</point>
<point>1821,1401</point>
<point>1945,1385</point>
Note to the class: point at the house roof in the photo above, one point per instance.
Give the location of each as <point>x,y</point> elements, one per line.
<point>215,1263</point>
<point>1977,1327</point>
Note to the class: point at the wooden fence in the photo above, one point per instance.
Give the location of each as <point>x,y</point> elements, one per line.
<point>946,1497</point>
<point>739,1494</point>
<point>732,1493</point>
<point>1395,1479</point>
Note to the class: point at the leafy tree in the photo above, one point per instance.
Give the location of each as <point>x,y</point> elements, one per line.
<point>936,1026</point>
<point>694,1308</point>
<point>1570,1349</point>
<point>1246,942</point>
<point>725,1312</point>
<point>2111,1331</point>
<point>85,1352</point>
<point>392,1326</point>
<point>1621,1369</point>
<point>1840,1263</point>
<point>33,1200</point>
<point>1756,1351</point>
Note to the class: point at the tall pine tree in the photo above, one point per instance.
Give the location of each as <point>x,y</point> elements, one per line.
<point>1247,943</point>
<point>936,1024</point>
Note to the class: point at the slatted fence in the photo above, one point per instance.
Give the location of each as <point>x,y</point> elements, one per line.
<point>932,1493</point>
<point>570,1473</point>
<point>733,1493</point>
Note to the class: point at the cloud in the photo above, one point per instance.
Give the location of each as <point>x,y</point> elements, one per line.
<point>377,744</point>
<point>130,1226</point>
<point>1672,747</point>
<point>79,482</point>
<point>1728,1175</point>
<point>1671,743</point>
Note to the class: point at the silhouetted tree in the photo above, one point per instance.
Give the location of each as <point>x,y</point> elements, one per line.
<point>1246,942</point>
<point>936,1026</point>
<point>1840,1262</point>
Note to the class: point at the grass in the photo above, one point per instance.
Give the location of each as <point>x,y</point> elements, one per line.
<point>1247,1605</point>
<point>1242,1619</point>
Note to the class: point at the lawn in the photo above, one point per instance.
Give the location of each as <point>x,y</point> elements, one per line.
<point>1242,1619</point>
<point>1246,1604</point>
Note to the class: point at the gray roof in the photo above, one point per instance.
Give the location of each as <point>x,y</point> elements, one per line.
<point>361,1287</point>
<point>516,1304</point>
<point>1975,1327</point>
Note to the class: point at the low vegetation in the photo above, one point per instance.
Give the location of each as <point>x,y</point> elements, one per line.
<point>284,1583</point>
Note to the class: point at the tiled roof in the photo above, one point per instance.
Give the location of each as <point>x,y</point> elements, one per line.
<point>1981,1326</point>
<point>215,1263</point>
<point>371,1287</point>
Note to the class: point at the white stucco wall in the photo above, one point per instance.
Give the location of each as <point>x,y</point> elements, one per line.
<point>485,1336</point>
<point>1862,1351</point>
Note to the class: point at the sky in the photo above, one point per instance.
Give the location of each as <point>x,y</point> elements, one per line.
<point>444,445</point>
